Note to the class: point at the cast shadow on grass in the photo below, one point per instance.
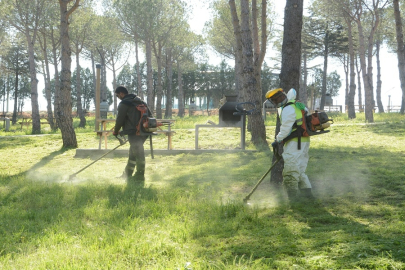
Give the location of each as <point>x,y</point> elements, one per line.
<point>133,193</point>
<point>347,242</point>
<point>41,163</point>
<point>337,235</point>
<point>10,142</point>
<point>307,235</point>
<point>395,129</point>
<point>368,175</point>
<point>34,208</point>
<point>29,211</point>
<point>33,212</point>
<point>46,159</point>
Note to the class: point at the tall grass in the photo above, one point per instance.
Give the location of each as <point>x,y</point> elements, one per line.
<point>189,213</point>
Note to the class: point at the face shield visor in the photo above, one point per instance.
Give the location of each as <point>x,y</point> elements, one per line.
<point>278,99</point>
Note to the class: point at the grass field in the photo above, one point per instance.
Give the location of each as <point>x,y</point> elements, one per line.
<point>190,214</point>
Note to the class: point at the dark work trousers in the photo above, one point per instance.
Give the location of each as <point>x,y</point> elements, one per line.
<point>136,155</point>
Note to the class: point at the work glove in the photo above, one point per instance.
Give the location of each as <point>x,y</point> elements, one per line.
<point>274,144</point>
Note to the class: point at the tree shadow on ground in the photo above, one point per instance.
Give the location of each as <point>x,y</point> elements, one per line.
<point>356,190</point>
<point>10,142</point>
<point>33,209</point>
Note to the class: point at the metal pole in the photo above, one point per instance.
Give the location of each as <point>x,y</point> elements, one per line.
<point>97,105</point>
<point>264,111</point>
<point>243,135</point>
<point>151,147</point>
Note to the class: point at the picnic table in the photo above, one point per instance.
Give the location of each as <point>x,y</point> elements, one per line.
<point>26,121</point>
<point>103,132</point>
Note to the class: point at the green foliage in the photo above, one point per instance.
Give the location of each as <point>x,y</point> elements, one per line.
<point>190,215</point>
<point>220,33</point>
<point>87,88</point>
<point>16,66</point>
<point>323,34</point>
<point>333,83</point>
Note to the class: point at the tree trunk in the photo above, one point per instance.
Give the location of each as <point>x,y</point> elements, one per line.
<point>36,122</point>
<point>291,48</point>
<point>138,73</point>
<point>47,80</point>
<point>238,53</point>
<point>346,70</point>
<point>303,97</point>
<point>149,74</point>
<point>239,78</point>
<point>359,87</point>
<point>256,45</point>
<point>258,130</point>
<point>14,118</point>
<point>259,51</point>
<point>352,87</point>
<point>159,89</point>
<point>79,106</point>
<point>93,70</point>
<point>181,94</point>
<point>103,83</point>
<point>56,105</point>
<point>400,51</point>
<point>114,87</point>
<point>368,87</point>
<point>325,69</point>
<point>290,63</point>
<point>208,98</point>
<point>379,82</point>
<point>66,121</point>
<point>168,112</point>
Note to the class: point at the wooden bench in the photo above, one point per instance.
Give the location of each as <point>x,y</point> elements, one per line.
<point>103,133</point>
<point>28,122</point>
<point>169,133</point>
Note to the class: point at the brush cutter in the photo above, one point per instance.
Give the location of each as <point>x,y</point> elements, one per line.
<point>279,157</point>
<point>122,139</point>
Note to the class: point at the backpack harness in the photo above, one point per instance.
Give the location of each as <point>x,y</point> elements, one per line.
<point>313,124</point>
<point>146,125</point>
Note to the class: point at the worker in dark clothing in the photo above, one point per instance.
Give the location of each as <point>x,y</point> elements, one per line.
<point>128,118</point>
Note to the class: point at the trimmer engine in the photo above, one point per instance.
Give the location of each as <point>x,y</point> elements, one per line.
<point>150,124</point>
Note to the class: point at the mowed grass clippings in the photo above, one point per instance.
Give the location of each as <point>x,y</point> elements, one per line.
<point>190,214</point>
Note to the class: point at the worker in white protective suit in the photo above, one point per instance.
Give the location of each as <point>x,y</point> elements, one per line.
<point>295,152</point>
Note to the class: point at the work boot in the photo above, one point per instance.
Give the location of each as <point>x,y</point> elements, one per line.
<point>129,172</point>
<point>292,195</point>
<point>307,194</point>
<point>122,176</point>
<point>139,176</point>
<point>140,172</point>
<point>126,174</point>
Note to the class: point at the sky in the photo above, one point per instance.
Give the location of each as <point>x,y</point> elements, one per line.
<point>201,14</point>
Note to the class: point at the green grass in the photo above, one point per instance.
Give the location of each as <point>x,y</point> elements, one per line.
<point>190,214</point>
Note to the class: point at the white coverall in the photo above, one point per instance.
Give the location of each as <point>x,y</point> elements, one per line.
<point>295,160</point>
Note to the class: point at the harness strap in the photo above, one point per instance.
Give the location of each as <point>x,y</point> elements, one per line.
<point>295,134</point>
<point>143,109</point>
<point>299,130</point>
